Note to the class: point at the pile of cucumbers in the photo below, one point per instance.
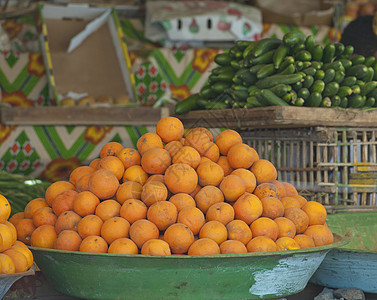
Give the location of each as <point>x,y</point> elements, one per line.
<point>293,70</point>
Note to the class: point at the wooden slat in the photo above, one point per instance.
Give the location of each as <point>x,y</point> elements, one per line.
<point>81,115</point>
<point>279,116</point>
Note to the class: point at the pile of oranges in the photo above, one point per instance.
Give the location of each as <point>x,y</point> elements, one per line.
<point>179,192</point>
<point>15,256</point>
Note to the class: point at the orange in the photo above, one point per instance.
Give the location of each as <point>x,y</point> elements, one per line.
<point>212,153</point>
<point>222,212</point>
<point>115,228</point>
<point>68,240</point>
<point>44,216</point>
<point>248,208</point>
<point>182,200</point>
<point>248,178</point>
<point>32,206</point>
<point>67,220</point>
<point>207,196</point>
<point>239,230</point>
<point>108,209</point>
<point>181,178</point>
<point>43,237</point>
<point>7,265</point>
<point>266,227</point>
<point>316,212</point>
<point>103,183</point>
<point>280,186</point>
<point>304,241</point>
<point>77,173</point>
<point>135,173</point>
<point>226,139</point>
<point>209,173</point>
<point>286,227</point>
<point>63,202</point>
<point>203,159</point>
<point>192,217</point>
<point>320,234</point>
<point>264,171</point>
<point>198,140</point>
<point>204,246</point>
<point>242,156</point>
<point>142,231</point>
<point>300,199</point>
<point>272,207</point>
<point>129,157</point>
<point>83,183</point>
<point>232,247</point>
<point>25,228</point>
<point>223,162</point>
<point>85,203</point>
<point>203,130</point>
<point>112,164</point>
<point>123,246</point>
<point>187,155</point>
<point>17,217</point>
<point>7,237</point>
<point>290,202</point>
<point>153,192</point>
<point>179,237</point>
<point>19,260</point>
<point>266,190</point>
<point>232,187</point>
<point>93,244</point>
<point>170,129</point>
<point>156,177</point>
<point>133,210</point>
<point>173,147</point>
<point>110,149</point>
<point>289,189</point>
<point>155,161</point>
<point>20,247</point>
<point>12,229</point>
<point>155,247</point>
<point>89,225</point>
<point>298,217</point>
<point>214,230</point>
<point>163,214</point>
<point>94,163</point>
<point>56,188</point>
<point>195,191</point>
<point>286,243</point>
<point>261,244</point>
<point>148,141</point>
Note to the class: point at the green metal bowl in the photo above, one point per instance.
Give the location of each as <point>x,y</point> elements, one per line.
<point>226,276</point>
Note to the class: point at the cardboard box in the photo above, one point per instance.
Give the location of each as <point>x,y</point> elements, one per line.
<point>85,52</point>
<point>296,12</point>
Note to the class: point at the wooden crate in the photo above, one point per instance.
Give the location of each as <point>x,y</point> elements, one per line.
<point>336,166</point>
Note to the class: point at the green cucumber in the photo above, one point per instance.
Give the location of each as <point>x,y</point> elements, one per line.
<point>240,95</point>
<point>345,62</point>
<point>299,65</point>
<point>339,49</point>
<point>310,71</point>
<point>348,51</point>
<point>360,82</point>
<point>317,53</point>
<point>356,101</point>
<point>220,70</point>
<point>320,74</point>
<point>186,105</point>
<point>272,99</point>
<point>288,60</point>
<point>368,87</point>
<point>279,55</point>
<point>307,64</point>
<point>281,89</point>
<point>344,91</point>
<point>326,102</point>
<point>349,81</point>
<point>318,86</point>
<point>331,89</point>
<point>339,76</point>
<point>265,45</point>
<point>374,66</point>
<point>317,65</point>
<point>370,102</point>
<point>303,55</point>
<point>273,80</point>
<point>297,86</point>
<point>267,70</point>
<point>336,65</point>
<point>215,105</point>
<point>369,61</point>
<point>360,71</point>
<point>299,102</point>
<point>303,93</point>
<point>220,87</point>
<point>308,81</point>
<point>207,92</point>
<point>248,49</point>
<point>292,38</point>
<point>242,44</point>
<point>235,52</point>
<point>253,102</point>
<point>225,76</point>
<point>223,59</point>
<point>264,58</point>
<point>343,102</point>
<point>314,100</point>
<point>373,93</point>
<point>256,68</point>
<point>358,60</point>
<point>288,70</point>
<point>369,76</point>
<point>309,42</point>
<point>356,89</point>
<point>335,101</point>
<point>253,89</point>
<point>297,48</point>
<point>202,102</point>
<point>329,76</point>
<point>235,64</point>
<point>328,53</point>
